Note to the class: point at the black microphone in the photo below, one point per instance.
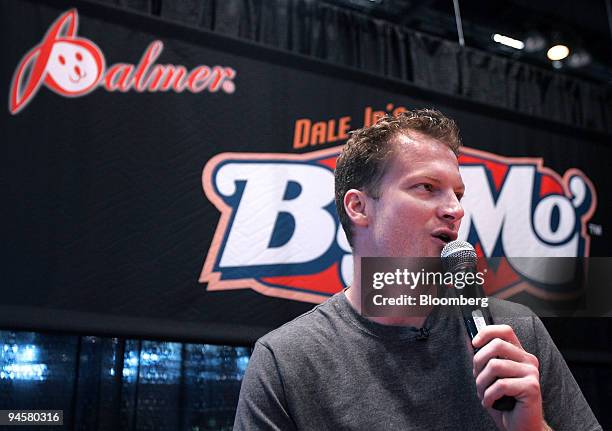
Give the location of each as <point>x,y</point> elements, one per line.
<point>460,257</point>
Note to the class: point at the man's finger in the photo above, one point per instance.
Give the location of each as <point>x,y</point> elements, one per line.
<point>490,332</point>
<point>519,388</point>
<point>502,368</point>
<point>498,348</point>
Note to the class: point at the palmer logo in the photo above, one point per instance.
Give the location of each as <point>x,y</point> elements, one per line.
<point>73,66</point>
<point>279,233</point>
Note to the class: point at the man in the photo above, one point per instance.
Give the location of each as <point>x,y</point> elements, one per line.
<point>398,193</point>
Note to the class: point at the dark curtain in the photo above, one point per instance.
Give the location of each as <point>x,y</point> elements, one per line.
<point>316,29</point>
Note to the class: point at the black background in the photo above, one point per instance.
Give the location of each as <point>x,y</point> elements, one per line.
<point>105,225</point>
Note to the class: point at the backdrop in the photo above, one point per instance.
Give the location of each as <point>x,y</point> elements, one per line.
<point>164,181</point>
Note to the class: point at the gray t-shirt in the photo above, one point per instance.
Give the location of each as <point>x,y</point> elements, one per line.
<point>333,369</point>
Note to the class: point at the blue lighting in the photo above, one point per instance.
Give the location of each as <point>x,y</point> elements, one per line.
<point>242,363</point>
<point>24,372</point>
<point>18,362</point>
<point>159,363</point>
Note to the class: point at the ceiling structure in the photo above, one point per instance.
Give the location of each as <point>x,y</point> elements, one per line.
<point>585,27</point>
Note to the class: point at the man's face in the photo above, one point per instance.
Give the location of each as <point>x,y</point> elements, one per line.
<point>418,210</point>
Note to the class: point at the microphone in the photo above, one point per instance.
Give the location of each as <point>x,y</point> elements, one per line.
<point>457,257</point>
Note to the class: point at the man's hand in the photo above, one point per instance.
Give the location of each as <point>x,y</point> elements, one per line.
<point>502,367</point>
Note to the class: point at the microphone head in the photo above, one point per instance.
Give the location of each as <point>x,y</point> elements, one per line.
<point>458,256</point>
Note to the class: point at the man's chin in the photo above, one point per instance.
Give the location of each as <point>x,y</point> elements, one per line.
<point>438,245</point>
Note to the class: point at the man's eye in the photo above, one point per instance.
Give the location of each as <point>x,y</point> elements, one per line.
<point>426,186</point>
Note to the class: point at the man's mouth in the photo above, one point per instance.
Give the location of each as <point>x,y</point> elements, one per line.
<point>445,235</point>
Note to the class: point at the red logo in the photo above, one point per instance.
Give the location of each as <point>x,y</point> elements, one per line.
<point>73,66</point>
<point>279,234</point>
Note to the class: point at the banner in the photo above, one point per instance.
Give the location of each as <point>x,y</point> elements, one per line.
<point>162,181</point>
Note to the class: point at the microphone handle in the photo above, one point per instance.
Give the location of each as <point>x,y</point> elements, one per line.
<point>475,318</point>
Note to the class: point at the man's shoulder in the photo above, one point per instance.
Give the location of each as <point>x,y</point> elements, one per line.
<point>504,309</point>
<point>525,323</point>
<point>311,327</point>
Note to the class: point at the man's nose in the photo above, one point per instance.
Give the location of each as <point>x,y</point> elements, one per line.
<point>451,209</point>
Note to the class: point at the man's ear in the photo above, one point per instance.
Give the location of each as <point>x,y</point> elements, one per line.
<point>356,207</point>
